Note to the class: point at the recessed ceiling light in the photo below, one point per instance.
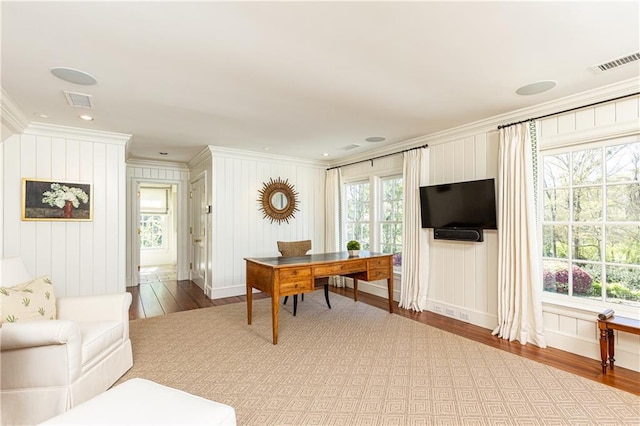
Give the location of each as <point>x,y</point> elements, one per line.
<point>41,115</point>
<point>536,88</point>
<point>163,153</point>
<point>375,139</point>
<point>325,154</point>
<point>74,76</point>
<point>267,148</point>
<point>86,117</point>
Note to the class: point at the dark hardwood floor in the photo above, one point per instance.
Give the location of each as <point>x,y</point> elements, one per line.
<point>159,298</point>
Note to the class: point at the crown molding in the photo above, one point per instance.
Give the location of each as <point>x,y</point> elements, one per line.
<point>487,125</point>
<point>218,151</point>
<point>65,132</point>
<point>157,164</point>
<point>12,116</point>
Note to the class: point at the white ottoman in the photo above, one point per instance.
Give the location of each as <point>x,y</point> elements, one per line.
<point>143,402</point>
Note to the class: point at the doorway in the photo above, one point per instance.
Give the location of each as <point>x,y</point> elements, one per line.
<point>158,231</point>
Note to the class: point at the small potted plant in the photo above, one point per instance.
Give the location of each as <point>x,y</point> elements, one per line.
<point>353,247</point>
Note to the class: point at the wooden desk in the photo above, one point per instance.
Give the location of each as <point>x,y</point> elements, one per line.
<point>607,344</point>
<point>284,276</point>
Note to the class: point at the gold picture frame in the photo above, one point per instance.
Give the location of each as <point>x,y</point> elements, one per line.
<point>54,200</point>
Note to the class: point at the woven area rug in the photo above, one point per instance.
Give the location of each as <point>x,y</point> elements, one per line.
<point>359,365</point>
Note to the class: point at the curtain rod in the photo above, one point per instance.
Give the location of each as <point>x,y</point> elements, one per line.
<point>502,126</point>
<point>381,156</point>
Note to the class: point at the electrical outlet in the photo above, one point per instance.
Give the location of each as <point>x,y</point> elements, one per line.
<point>464,316</point>
<point>437,308</point>
<point>450,311</point>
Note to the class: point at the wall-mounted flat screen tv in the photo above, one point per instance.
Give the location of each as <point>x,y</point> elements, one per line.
<point>470,205</point>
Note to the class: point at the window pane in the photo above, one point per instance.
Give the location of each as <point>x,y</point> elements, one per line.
<point>587,166</point>
<point>586,242</point>
<point>587,203</point>
<point>151,231</point>
<point>554,241</point>
<point>583,276</point>
<point>555,276</point>
<point>556,170</point>
<point>623,202</point>
<point>623,285</point>
<point>623,244</point>
<point>556,205</point>
<point>623,163</point>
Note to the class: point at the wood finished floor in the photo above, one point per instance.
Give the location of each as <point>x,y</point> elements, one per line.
<point>163,297</point>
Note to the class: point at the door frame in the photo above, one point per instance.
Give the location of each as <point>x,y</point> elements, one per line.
<point>182,261</point>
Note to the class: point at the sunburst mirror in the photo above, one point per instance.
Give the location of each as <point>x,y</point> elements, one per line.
<point>278,200</point>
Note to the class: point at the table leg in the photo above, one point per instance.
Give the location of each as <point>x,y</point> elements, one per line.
<point>390,289</point>
<point>249,302</point>
<point>603,349</point>
<point>612,348</point>
<point>355,289</point>
<point>275,309</point>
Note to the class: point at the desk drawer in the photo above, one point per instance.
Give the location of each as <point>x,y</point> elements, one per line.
<point>378,273</point>
<point>295,280</point>
<point>341,268</point>
<point>379,262</point>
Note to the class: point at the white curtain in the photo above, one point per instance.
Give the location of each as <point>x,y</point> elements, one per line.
<point>415,241</point>
<point>519,281</point>
<point>333,218</point>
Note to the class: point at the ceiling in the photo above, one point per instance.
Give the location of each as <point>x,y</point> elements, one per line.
<point>303,78</point>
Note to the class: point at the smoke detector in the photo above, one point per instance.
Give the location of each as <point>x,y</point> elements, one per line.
<point>79,100</point>
<point>624,60</point>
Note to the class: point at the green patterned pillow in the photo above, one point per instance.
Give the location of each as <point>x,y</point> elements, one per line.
<point>33,300</point>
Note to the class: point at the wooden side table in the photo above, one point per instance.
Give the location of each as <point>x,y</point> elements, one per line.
<point>607,346</point>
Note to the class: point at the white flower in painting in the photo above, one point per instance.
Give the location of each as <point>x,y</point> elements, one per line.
<point>60,194</point>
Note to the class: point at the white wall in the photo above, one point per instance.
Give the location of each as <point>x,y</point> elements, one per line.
<point>139,171</point>
<point>238,229</point>
<point>82,258</point>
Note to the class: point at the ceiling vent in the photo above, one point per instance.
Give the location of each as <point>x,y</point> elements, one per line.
<point>625,60</point>
<point>352,146</point>
<point>79,100</point>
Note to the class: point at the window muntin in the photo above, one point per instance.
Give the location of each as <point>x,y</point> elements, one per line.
<point>591,223</point>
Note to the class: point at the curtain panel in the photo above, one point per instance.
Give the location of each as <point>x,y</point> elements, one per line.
<point>415,240</point>
<point>519,280</point>
<point>333,218</point>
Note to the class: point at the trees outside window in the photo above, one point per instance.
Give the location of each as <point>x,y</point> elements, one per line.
<point>591,222</point>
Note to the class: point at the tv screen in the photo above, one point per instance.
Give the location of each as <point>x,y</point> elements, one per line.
<point>469,204</point>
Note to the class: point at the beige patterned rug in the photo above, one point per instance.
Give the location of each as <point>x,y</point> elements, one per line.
<point>359,365</point>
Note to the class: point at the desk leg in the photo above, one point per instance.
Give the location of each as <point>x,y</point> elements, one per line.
<point>355,289</point>
<point>603,349</point>
<point>249,302</point>
<point>612,348</point>
<point>275,310</point>
<point>390,289</point>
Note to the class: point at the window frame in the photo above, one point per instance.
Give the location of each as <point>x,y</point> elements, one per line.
<point>569,300</point>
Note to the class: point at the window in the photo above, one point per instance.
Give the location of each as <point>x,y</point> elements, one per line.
<point>374,217</point>
<point>152,231</point>
<point>357,223</point>
<point>154,206</point>
<point>591,222</point>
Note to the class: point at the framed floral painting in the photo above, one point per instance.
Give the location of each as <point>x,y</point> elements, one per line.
<point>56,200</point>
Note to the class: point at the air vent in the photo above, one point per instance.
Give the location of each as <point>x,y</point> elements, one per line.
<point>625,60</point>
<point>352,146</point>
<point>79,100</point>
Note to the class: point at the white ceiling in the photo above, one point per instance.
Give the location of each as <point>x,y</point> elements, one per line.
<point>303,78</point>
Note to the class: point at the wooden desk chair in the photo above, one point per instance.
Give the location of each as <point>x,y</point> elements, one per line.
<point>300,248</point>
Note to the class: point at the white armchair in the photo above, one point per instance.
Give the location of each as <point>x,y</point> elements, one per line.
<point>50,366</point>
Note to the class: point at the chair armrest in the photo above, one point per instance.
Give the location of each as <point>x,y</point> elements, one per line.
<point>40,354</point>
<point>106,307</point>
<point>21,335</point>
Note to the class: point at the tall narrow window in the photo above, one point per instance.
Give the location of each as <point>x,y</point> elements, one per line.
<point>357,215</point>
<point>591,222</point>
<point>391,218</point>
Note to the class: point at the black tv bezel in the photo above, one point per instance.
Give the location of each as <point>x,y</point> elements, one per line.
<point>462,226</point>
